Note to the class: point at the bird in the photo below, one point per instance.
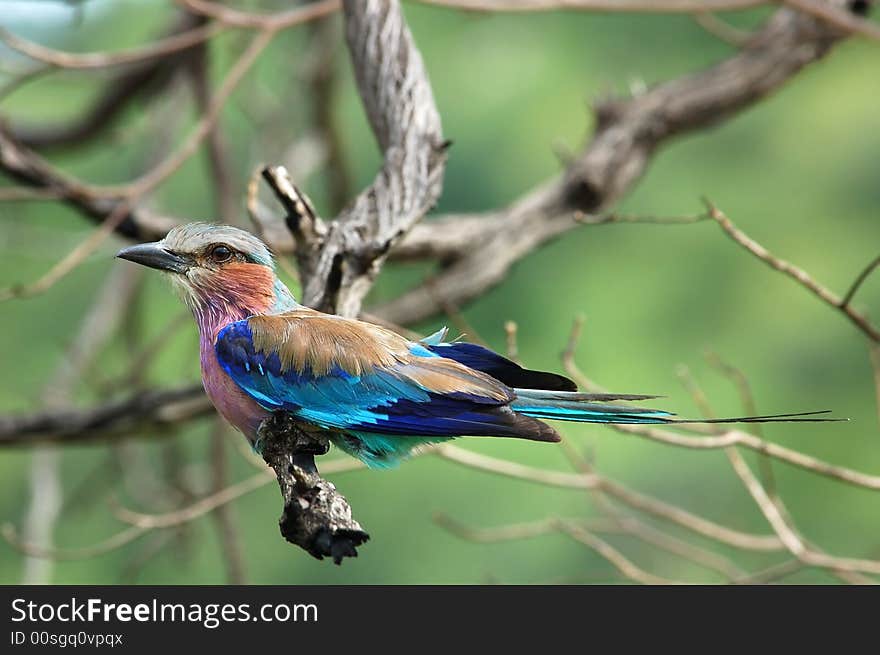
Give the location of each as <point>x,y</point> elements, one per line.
<point>375,394</point>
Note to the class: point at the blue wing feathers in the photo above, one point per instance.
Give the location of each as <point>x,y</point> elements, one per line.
<point>500,368</point>
<point>383,396</point>
<point>398,401</point>
<point>387,401</point>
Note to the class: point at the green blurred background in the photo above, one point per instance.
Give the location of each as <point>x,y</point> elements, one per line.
<point>798,172</point>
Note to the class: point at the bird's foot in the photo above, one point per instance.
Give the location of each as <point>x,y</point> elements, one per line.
<point>295,436</point>
<point>311,447</point>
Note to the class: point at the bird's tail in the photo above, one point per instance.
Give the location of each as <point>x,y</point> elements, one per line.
<point>593,408</point>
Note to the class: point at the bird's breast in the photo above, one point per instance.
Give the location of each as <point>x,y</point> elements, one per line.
<point>233,404</point>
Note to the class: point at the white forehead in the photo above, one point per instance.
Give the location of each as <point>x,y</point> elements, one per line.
<point>193,237</point>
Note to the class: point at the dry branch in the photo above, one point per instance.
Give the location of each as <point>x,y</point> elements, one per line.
<point>316,517</point>
<point>843,15</point>
<point>182,38</point>
<point>125,197</point>
<point>279,21</point>
<point>802,277</point>
<point>25,166</point>
<point>397,96</point>
<point>627,135</point>
<point>338,263</point>
<point>612,6</point>
<point>146,411</point>
<point>147,73</point>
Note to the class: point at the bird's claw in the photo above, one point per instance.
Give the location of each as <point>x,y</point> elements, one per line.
<point>313,447</point>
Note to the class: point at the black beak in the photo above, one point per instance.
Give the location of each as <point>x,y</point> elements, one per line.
<point>155,256</point>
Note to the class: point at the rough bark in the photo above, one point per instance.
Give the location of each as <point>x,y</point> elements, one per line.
<point>316,517</point>
<point>478,250</point>
<point>339,262</point>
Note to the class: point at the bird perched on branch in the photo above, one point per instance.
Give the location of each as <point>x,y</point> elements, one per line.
<point>377,395</point>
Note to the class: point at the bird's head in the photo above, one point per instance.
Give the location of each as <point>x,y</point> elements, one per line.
<point>216,268</point>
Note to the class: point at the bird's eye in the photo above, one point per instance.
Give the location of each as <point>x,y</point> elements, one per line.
<point>220,254</point>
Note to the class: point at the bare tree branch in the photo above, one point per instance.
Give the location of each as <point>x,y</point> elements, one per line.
<point>844,15</point>
<point>722,29</point>
<point>338,262</point>
<point>802,277</point>
<point>859,281</point>
<point>226,198</point>
<point>143,411</point>
<point>316,517</point>
<point>149,71</point>
<point>279,21</point>
<point>25,166</point>
<point>613,6</point>
<point>127,195</point>
<point>182,39</point>
<point>45,503</point>
<point>624,494</point>
<point>397,96</point>
<point>628,133</point>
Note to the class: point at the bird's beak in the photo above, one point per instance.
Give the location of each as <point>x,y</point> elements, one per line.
<point>155,255</point>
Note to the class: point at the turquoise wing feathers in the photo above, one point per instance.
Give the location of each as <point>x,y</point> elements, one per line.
<point>352,376</point>
<point>382,395</point>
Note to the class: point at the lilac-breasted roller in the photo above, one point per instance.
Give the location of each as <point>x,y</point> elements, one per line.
<point>378,395</point>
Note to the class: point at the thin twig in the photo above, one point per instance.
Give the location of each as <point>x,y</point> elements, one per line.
<point>772,573</point>
<point>647,533</point>
<point>838,16</point>
<point>226,200</point>
<point>750,408</point>
<point>576,529</point>
<point>510,332</point>
<point>787,535</point>
<point>85,61</point>
<point>773,507</point>
<point>612,555</point>
<point>133,191</point>
<point>750,441</point>
<point>722,29</point>
<point>227,526</point>
<point>252,205</point>
<point>613,6</point>
<point>797,274</point>
<point>860,279</point>
<point>141,524</point>
<point>619,491</point>
<point>279,21</point>
<point>114,542</point>
<point>511,532</point>
<point>874,356</point>
<point>73,259</point>
<point>215,500</point>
